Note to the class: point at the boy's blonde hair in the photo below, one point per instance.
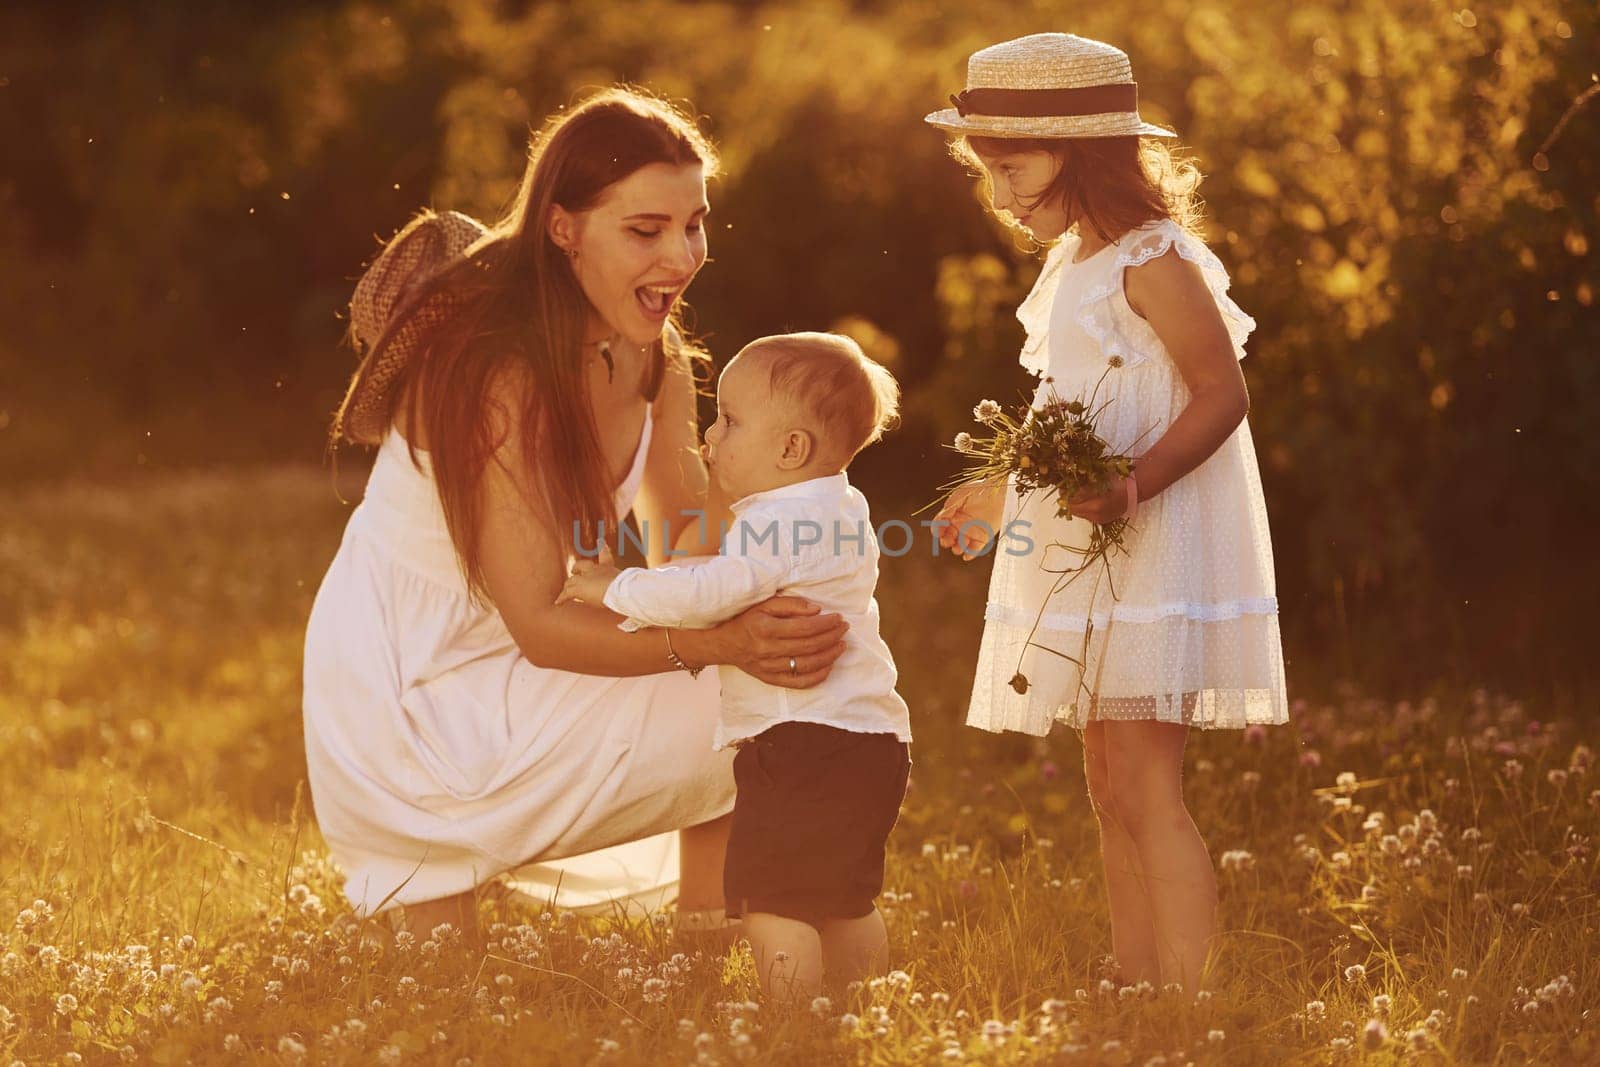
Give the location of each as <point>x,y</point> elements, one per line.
<point>853,399</point>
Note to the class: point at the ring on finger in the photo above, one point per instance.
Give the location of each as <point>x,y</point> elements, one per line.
<point>794,668</point>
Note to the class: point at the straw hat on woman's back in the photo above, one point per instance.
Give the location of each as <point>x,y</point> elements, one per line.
<point>394,308</point>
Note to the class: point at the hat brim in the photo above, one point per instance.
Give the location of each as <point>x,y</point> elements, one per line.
<point>1114,124</point>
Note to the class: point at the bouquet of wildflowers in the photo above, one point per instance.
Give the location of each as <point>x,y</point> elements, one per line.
<point>1051,448</point>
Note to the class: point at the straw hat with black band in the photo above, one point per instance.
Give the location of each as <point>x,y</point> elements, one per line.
<point>1048,85</point>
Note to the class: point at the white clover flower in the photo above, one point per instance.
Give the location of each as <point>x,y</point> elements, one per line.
<point>27,919</point>
<point>1237,859</point>
<point>963,442</point>
<point>191,985</point>
<point>849,1021</point>
<point>49,955</point>
<point>1418,1039</point>
<point>1375,1034</point>
<point>389,1055</point>
<point>1316,1009</point>
<point>186,943</point>
<point>1355,973</point>
<point>1382,1003</point>
<point>1340,1044</point>
<point>986,410</point>
<point>290,1047</point>
<point>1216,1037</point>
<point>1346,781</point>
<point>66,1004</point>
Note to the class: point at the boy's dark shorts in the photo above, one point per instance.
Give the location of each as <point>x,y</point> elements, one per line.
<point>813,814</point>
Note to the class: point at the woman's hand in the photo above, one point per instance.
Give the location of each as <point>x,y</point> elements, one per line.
<point>763,640</point>
<point>973,512</point>
<point>1103,507</point>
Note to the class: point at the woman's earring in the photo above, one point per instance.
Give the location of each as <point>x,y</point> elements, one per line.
<point>572,253</point>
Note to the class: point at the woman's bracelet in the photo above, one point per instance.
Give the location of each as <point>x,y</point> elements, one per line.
<point>676,660</point>
<point>1133,498</point>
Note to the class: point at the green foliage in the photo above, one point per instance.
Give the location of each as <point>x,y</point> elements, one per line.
<point>189,193</point>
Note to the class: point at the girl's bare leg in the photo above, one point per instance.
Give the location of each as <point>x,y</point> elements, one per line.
<point>788,955</point>
<point>1133,931</point>
<point>854,949</point>
<point>1144,763</point>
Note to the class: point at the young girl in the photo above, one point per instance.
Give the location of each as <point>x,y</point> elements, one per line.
<point>1132,307</point>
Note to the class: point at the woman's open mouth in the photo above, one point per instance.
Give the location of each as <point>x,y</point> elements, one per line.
<point>657,300</point>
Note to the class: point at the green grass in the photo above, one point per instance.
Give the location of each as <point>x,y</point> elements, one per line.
<point>151,768</point>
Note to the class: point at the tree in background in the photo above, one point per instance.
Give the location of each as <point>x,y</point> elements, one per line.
<point>188,195</point>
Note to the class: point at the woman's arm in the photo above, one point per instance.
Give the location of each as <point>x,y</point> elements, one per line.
<point>1170,293</point>
<point>524,565</point>
<point>674,484</point>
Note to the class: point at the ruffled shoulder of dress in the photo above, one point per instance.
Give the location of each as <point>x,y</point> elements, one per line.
<point>1034,311</point>
<point>1105,315</point>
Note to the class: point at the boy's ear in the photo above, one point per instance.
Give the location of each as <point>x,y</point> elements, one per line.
<point>798,448</point>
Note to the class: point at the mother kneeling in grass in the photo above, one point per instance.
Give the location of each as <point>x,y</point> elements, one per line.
<point>524,380</point>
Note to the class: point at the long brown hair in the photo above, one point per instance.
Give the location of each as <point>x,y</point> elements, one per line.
<point>1112,184</point>
<point>521,323</point>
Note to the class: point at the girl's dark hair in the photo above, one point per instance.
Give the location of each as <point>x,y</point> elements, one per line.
<point>1111,184</point>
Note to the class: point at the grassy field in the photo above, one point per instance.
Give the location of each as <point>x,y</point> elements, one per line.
<point>1399,880</point>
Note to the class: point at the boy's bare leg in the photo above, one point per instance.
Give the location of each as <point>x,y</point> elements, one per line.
<point>788,955</point>
<point>855,949</point>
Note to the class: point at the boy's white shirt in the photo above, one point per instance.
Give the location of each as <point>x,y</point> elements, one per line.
<point>813,539</point>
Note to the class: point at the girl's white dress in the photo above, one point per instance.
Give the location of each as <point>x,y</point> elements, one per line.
<point>1192,634</point>
<point>439,757</point>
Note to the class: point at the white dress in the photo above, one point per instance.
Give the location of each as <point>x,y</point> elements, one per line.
<point>439,757</point>
<point>1191,635</point>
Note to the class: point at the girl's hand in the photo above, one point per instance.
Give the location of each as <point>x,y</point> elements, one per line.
<point>764,639</point>
<point>973,512</point>
<point>1101,508</point>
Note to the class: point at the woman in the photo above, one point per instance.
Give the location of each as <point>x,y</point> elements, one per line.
<point>527,382</point>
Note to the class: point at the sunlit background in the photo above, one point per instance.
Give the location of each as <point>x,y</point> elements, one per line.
<point>188,192</point>
<point>1407,196</point>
